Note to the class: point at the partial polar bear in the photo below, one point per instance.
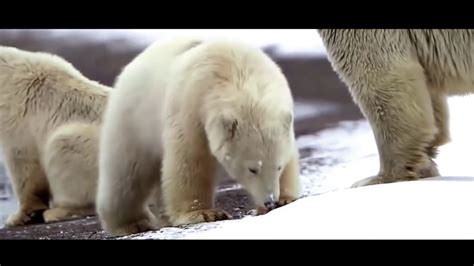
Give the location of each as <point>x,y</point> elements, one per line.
<point>179,109</point>
<point>401,80</point>
<point>49,129</point>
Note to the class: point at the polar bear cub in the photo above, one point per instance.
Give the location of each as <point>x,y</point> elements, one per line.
<point>182,107</point>
<point>49,119</point>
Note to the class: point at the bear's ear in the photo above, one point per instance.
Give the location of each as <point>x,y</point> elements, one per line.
<point>230,124</point>
<point>287,118</point>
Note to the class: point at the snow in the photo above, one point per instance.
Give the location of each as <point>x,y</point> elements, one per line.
<point>435,208</point>
<point>453,158</point>
<point>394,211</point>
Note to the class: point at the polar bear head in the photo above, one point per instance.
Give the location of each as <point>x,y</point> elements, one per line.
<point>253,147</point>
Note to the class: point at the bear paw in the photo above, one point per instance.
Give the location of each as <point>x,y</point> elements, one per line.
<point>284,200</point>
<point>429,171</point>
<point>61,214</point>
<point>375,180</point>
<point>202,216</point>
<point>136,227</point>
<point>23,218</point>
<point>260,211</point>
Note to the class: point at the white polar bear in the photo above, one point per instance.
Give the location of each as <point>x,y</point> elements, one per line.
<point>49,119</point>
<point>181,107</point>
<point>401,80</point>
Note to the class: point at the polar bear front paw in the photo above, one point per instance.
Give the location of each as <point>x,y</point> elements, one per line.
<point>62,214</point>
<point>132,228</point>
<point>202,216</point>
<point>376,180</point>
<point>22,218</point>
<point>373,180</point>
<point>284,200</point>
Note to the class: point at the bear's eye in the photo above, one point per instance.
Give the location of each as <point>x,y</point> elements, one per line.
<point>279,168</point>
<point>253,171</point>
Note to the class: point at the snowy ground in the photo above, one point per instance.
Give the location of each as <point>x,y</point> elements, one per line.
<point>393,211</point>
<point>423,209</point>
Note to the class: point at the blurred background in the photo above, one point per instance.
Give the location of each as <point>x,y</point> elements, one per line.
<point>321,99</point>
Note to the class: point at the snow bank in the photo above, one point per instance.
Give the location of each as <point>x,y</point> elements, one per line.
<point>429,209</point>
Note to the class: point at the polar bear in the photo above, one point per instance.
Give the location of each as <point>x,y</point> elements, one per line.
<point>179,109</point>
<point>401,79</point>
<point>49,119</point>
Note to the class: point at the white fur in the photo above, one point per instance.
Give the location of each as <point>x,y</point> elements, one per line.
<point>187,106</point>
<point>401,80</point>
<point>48,110</point>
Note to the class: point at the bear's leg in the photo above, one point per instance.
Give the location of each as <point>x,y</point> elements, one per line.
<point>188,185</point>
<point>30,187</point>
<point>156,206</point>
<point>290,185</point>
<point>127,176</point>
<point>124,190</point>
<point>398,107</point>
<point>441,114</point>
<point>70,163</point>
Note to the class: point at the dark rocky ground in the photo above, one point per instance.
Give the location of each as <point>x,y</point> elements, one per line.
<point>311,79</point>
<point>234,202</point>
